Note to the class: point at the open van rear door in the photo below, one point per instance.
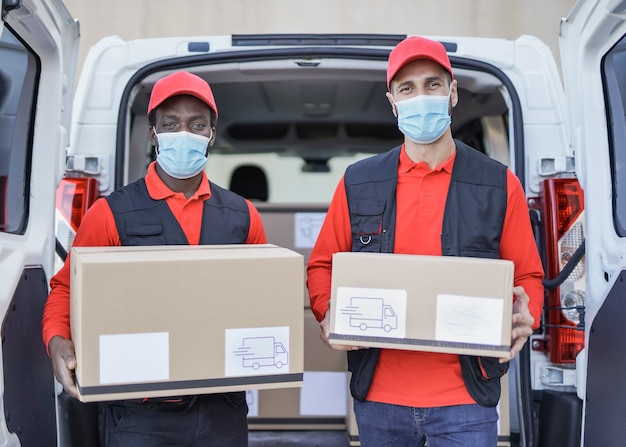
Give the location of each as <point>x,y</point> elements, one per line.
<point>593,47</point>
<point>38,54</point>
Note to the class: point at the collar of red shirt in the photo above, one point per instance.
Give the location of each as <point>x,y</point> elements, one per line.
<point>406,164</point>
<point>160,191</point>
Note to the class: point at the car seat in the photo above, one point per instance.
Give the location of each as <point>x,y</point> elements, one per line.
<point>250,182</point>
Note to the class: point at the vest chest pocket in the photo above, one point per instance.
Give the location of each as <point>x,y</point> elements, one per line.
<point>366,220</point>
<point>144,233</point>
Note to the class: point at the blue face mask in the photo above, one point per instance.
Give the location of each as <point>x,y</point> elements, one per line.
<point>181,154</point>
<point>424,119</point>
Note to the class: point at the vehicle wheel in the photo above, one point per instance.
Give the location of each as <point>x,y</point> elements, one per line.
<point>387,328</point>
<point>255,366</point>
<point>279,365</point>
<point>363,326</point>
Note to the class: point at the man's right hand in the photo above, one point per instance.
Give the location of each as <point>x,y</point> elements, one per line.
<point>63,359</point>
<point>325,335</point>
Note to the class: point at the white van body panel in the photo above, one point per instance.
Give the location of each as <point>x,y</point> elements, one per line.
<point>587,35</point>
<point>52,34</point>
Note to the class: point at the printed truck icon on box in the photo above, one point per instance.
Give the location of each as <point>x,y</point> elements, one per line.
<point>370,312</point>
<point>256,352</point>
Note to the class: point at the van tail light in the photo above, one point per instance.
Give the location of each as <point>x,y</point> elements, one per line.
<point>74,197</point>
<point>564,213</point>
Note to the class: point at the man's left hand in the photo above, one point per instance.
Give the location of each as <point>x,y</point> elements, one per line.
<point>522,322</point>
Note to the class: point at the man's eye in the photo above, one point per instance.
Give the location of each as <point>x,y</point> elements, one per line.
<point>168,125</point>
<point>198,126</point>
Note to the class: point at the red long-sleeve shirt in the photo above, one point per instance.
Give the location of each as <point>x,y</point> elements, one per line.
<point>414,378</point>
<point>98,229</point>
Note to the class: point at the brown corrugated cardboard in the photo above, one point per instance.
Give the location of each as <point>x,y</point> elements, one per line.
<point>294,226</point>
<point>288,409</point>
<point>175,320</point>
<point>427,303</point>
<point>318,356</point>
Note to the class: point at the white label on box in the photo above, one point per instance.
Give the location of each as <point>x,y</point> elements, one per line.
<point>307,228</point>
<point>132,358</point>
<point>469,319</point>
<point>324,393</point>
<point>371,312</point>
<point>257,351</point>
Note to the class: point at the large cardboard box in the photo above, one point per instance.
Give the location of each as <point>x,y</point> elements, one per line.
<point>177,320</point>
<point>427,303</point>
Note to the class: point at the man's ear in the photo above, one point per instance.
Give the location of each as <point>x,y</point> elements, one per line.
<point>454,93</point>
<point>393,104</point>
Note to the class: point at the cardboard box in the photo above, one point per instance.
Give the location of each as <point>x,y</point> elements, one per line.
<point>320,404</point>
<point>293,226</point>
<point>177,320</point>
<point>427,303</point>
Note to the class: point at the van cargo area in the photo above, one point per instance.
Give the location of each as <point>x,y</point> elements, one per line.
<point>288,127</point>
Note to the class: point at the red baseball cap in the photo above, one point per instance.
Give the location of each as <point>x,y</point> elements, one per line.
<point>413,48</point>
<point>181,83</point>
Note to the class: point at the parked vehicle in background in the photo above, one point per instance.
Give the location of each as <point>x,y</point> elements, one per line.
<point>295,111</point>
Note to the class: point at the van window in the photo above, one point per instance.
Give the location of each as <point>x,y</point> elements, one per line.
<point>614,78</point>
<point>18,69</point>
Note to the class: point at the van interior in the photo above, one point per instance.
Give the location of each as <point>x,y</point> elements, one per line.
<point>288,129</point>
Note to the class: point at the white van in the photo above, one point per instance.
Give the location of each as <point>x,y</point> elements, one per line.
<point>294,111</point>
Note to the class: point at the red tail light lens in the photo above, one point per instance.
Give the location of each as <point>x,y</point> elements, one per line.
<point>74,197</point>
<point>563,211</point>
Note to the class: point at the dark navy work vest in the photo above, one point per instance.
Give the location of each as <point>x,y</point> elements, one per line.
<point>472,226</point>
<point>142,220</point>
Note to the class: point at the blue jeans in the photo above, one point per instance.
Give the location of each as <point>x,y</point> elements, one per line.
<point>383,425</point>
<point>210,420</point>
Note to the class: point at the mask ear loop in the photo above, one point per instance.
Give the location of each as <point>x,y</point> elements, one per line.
<point>208,145</point>
<point>156,148</point>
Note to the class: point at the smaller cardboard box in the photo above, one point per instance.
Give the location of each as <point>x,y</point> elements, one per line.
<point>427,303</point>
<point>179,320</point>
